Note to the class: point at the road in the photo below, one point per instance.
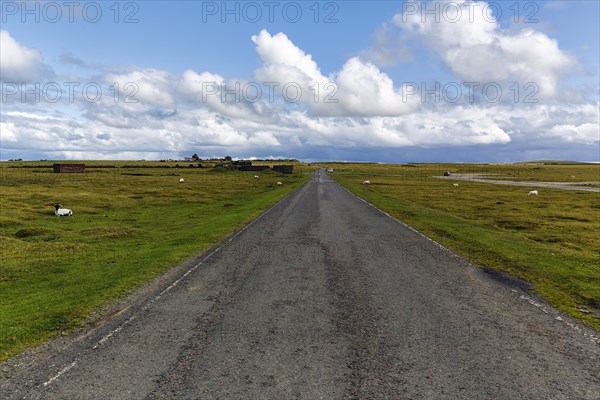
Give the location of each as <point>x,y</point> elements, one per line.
<point>322,297</point>
<point>588,186</point>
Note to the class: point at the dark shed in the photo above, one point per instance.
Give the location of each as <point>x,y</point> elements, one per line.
<point>284,169</point>
<point>68,168</point>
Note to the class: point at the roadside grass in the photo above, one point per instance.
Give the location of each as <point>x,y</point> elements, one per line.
<point>551,240</point>
<point>129,226</point>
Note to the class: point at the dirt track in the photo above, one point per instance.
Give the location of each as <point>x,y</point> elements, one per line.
<point>324,297</point>
<point>548,185</point>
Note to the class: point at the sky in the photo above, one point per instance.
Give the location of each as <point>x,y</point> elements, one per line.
<point>385,81</point>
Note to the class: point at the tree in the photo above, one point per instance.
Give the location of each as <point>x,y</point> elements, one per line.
<point>227,158</point>
<point>195,157</point>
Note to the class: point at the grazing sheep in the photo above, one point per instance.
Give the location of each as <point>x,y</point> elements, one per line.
<point>181,180</point>
<point>533,193</point>
<point>256,177</point>
<point>279,183</point>
<point>455,184</point>
<point>366,183</point>
<point>572,176</point>
<point>62,212</point>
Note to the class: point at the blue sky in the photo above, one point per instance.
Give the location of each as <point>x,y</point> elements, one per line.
<point>397,81</point>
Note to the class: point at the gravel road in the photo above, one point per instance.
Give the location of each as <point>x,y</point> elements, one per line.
<point>588,186</point>
<point>322,297</point>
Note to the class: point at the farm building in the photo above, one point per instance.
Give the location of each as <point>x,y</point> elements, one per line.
<point>284,169</point>
<point>253,167</point>
<point>68,168</point>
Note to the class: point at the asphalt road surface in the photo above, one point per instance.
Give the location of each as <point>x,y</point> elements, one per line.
<point>322,297</point>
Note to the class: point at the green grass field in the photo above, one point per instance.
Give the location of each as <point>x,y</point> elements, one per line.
<point>132,221</point>
<point>551,240</point>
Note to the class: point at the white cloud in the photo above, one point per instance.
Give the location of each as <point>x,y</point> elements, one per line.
<point>278,51</point>
<point>149,87</point>
<point>230,98</point>
<point>588,133</point>
<point>17,62</point>
<point>451,127</point>
<point>477,49</point>
<point>366,91</point>
<point>7,132</point>
<point>31,115</point>
<point>107,155</point>
<point>293,131</point>
<point>358,89</point>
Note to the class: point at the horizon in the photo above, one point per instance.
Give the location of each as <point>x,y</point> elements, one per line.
<point>305,161</point>
<point>382,81</point>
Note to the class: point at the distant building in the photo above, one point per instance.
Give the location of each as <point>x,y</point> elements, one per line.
<point>284,169</point>
<point>68,168</point>
<point>253,167</point>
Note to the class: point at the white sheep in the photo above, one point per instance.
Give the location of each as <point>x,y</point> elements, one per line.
<point>256,177</point>
<point>366,183</point>
<point>455,184</point>
<point>279,183</point>
<point>181,180</point>
<point>533,193</point>
<point>62,212</point>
